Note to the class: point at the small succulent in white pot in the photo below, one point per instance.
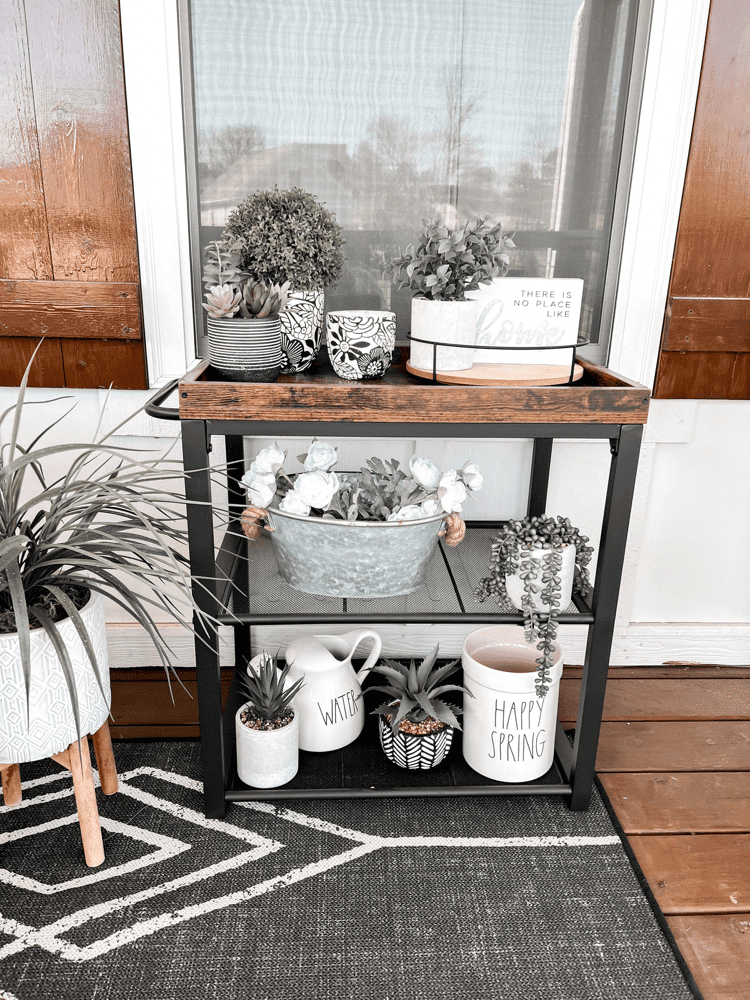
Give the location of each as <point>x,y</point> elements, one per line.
<point>440,269</point>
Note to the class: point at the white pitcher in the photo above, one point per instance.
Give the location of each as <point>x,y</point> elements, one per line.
<point>330,703</point>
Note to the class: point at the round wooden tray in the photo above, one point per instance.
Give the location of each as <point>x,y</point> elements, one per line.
<point>493,374</point>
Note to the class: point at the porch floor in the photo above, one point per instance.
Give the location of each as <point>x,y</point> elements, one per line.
<point>674,759</point>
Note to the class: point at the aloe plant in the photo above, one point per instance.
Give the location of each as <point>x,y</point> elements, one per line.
<point>263,686</point>
<point>106,525</point>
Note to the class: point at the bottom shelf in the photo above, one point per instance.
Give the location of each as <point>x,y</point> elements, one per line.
<point>361,770</point>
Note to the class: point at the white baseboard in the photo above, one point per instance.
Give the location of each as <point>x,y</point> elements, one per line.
<point>637,644</point>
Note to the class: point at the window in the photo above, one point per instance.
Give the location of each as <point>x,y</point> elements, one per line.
<point>390,111</point>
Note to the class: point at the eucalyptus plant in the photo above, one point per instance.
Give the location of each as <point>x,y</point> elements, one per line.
<point>511,554</point>
<point>106,525</point>
<point>447,263</point>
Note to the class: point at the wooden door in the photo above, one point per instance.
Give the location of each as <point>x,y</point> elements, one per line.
<point>68,255</point>
<point>705,349</point>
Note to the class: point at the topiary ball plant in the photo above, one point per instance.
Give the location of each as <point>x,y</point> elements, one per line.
<point>287,236</point>
<point>511,554</point>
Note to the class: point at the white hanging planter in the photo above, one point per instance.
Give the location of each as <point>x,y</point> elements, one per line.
<point>508,732</point>
<point>537,556</point>
<point>51,725</point>
<point>267,759</point>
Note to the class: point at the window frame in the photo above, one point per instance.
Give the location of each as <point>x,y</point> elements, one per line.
<point>647,209</point>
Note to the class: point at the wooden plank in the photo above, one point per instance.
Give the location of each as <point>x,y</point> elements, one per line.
<point>665,699</point>
<point>91,363</point>
<point>670,670</point>
<point>154,732</point>
<point>70,309</point>
<point>674,746</point>
<point>24,244</point>
<point>716,948</point>
<point>707,325</point>
<point>83,138</point>
<point>703,375</point>
<point>15,353</point>
<point>320,395</point>
<point>669,803</point>
<point>692,874</point>
<point>142,706</point>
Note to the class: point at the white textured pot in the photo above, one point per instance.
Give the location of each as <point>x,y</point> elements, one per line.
<point>301,330</point>
<point>439,323</point>
<point>52,725</point>
<point>514,584</point>
<point>267,758</point>
<point>508,732</point>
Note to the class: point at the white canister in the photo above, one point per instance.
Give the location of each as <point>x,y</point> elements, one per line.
<point>508,732</point>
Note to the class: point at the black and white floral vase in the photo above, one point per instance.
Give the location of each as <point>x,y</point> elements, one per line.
<point>301,330</point>
<point>361,342</point>
<point>414,751</point>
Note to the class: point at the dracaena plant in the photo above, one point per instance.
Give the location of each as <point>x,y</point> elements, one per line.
<point>106,525</point>
<point>446,263</point>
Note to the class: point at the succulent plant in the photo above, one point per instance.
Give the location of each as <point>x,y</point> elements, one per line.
<point>414,691</point>
<point>263,686</point>
<point>286,236</point>
<point>510,555</point>
<point>222,265</point>
<point>222,301</point>
<point>261,301</point>
<point>448,263</point>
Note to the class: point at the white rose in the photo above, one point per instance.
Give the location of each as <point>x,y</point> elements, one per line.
<point>451,492</point>
<point>254,473</point>
<point>269,460</point>
<point>411,511</point>
<point>472,477</point>
<point>320,456</point>
<point>316,488</point>
<point>424,472</point>
<point>294,504</point>
<point>259,493</point>
<point>430,507</point>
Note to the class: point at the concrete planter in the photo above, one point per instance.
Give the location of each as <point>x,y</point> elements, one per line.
<point>267,759</point>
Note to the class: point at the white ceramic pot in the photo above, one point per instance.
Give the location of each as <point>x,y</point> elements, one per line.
<point>360,342</point>
<point>245,350</point>
<point>267,759</point>
<point>442,322</point>
<point>52,724</point>
<point>301,330</point>
<point>514,584</point>
<point>508,733</point>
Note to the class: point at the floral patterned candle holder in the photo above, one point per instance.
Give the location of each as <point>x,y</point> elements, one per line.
<point>361,342</point>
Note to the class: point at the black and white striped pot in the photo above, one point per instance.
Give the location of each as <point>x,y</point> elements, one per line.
<point>245,351</point>
<point>414,751</point>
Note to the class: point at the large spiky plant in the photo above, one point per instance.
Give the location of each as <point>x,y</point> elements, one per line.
<point>106,525</point>
<point>416,690</point>
<point>263,686</point>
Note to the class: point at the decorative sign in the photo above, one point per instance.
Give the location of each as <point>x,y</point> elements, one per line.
<point>525,313</point>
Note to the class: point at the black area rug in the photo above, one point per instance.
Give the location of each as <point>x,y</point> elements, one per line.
<point>459,898</point>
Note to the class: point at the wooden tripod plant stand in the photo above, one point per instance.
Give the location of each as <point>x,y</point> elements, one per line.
<point>83,786</point>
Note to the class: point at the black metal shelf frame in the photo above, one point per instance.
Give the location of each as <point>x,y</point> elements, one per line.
<point>218,572</point>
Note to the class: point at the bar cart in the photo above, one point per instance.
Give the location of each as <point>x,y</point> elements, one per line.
<point>246,590</point>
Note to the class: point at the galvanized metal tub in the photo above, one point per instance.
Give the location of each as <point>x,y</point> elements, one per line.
<point>323,556</point>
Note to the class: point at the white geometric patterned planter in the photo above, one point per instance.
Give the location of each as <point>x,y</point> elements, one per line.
<point>51,722</point>
<point>414,751</point>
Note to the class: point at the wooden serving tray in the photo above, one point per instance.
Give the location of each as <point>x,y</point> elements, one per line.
<point>503,374</point>
<point>599,397</point>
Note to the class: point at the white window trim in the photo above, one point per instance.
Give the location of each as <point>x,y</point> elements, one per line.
<point>153,87</point>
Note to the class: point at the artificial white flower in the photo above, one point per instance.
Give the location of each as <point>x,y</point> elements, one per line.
<point>316,488</point>
<point>256,473</point>
<point>320,456</point>
<point>430,507</point>
<point>294,504</point>
<point>424,472</point>
<point>406,514</point>
<point>269,460</point>
<point>451,492</point>
<point>472,477</point>
<point>259,493</point>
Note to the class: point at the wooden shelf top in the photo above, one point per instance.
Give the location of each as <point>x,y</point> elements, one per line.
<point>601,397</point>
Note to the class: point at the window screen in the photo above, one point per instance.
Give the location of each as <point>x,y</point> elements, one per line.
<point>394,110</point>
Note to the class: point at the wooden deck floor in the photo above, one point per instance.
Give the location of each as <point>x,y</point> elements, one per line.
<point>674,758</point>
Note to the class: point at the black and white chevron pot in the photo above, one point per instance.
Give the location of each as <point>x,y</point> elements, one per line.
<point>414,751</point>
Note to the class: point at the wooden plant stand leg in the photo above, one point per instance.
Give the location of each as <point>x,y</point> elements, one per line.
<point>11,784</point>
<point>85,794</point>
<point>105,759</point>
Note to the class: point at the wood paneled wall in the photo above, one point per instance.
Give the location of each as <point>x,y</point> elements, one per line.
<point>705,349</point>
<point>68,254</point>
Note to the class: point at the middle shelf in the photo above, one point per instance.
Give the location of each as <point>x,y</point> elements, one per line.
<point>253,591</point>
